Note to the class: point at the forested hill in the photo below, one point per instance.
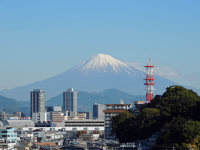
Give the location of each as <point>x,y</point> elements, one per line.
<point>174,115</point>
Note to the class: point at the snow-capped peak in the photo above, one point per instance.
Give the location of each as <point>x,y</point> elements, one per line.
<point>103,62</point>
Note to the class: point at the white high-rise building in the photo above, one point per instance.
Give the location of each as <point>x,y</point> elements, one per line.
<point>70,102</point>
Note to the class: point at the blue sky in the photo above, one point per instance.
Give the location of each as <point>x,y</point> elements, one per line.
<point>42,38</point>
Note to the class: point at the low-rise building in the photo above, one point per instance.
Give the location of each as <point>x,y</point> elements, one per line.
<point>77,125</point>
<point>58,116</point>
<point>39,117</point>
<point>9,136</point>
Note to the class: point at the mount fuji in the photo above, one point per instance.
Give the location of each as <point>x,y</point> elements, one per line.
<point>97,73</point>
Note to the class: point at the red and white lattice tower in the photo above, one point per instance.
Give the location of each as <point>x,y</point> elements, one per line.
<point>149,81</point>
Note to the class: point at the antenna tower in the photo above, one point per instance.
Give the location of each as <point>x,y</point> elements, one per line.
<point>149,81</point>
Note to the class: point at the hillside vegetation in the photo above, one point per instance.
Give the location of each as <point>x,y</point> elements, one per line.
<point>175,115</point>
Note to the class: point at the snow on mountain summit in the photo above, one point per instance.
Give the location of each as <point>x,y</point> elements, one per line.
<point>103,63</point>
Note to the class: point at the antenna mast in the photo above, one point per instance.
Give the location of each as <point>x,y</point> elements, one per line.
<point>149,81</point>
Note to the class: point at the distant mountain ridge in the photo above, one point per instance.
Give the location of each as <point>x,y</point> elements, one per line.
<point>86,100</point>
<point>10,105</point>
<point>97,73</point>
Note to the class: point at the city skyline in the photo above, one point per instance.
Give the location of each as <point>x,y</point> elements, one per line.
<point>41,39</point>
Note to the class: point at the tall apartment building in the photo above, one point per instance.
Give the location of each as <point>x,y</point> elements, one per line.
<point>70,102</point>
<point>37,105</point>
<point>98,111</point>
<point>112,110</point>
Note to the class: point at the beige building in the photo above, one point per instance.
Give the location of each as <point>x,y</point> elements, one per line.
<point>81,116</point>
<point>58,116</point>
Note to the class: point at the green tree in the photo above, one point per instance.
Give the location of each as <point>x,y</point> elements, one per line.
<point>117,120</point>
<point>119,123</point>
<point>177,101</point>
<point>126,125</point>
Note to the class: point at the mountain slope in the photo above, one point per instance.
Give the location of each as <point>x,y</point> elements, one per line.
<point>100,72</point>
<point>10,105</point>
<point>86,100</point>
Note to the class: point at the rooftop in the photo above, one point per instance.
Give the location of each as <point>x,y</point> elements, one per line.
<point>21,123</point>
<point>117,104</point>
